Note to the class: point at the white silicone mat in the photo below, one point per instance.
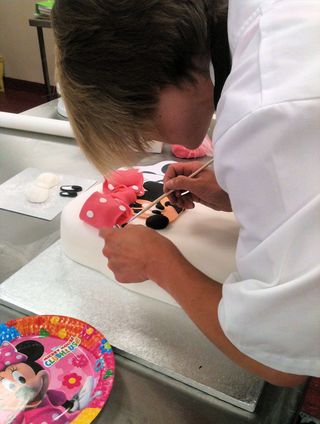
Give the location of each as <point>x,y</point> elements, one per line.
<point>13,198</point>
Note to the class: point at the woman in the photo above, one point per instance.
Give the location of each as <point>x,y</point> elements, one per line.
<point>133,71</point>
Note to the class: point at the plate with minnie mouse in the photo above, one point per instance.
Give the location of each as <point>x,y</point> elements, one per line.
<point>53,369</point>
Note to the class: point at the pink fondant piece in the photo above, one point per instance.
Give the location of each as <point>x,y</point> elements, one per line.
<point>102,210</point>
<point>122,192</point>
<point>126,194</point>
<point>205,149</point>
<point>129,178</point>
<point>111,207</point>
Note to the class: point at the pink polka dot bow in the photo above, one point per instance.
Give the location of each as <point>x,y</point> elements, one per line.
<point>112,206</point>
<point>10,356</point>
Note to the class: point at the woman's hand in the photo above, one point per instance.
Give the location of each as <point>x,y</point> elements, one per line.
<point>203,188</point>
<point>136,253</point>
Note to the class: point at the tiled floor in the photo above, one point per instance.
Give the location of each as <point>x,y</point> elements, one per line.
<point>17,101</point>
<point>18,98</point>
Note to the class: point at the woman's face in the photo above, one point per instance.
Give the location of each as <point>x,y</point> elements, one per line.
<point>183,115</point>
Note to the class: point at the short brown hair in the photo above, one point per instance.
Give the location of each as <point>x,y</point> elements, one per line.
<point>114,57</point>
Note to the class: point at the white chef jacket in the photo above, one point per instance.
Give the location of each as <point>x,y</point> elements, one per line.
<point>267,157</point>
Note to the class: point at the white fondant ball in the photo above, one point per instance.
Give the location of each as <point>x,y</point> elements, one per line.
<point>47,180</point>
<point>36,194</point>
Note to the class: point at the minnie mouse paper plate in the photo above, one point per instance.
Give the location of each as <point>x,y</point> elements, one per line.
<point>53,369</point>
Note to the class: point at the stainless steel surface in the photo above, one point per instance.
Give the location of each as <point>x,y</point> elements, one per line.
<point>47,110</point>
<point>139,327</point>
<point>23,237</point>
<point>143,396</point>
<point>145,331</point>
<point>140,395</point>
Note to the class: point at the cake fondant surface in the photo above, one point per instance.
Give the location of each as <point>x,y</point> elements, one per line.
<point>206,238</point>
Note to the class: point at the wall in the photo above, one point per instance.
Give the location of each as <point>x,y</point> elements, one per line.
<point>19,42</point>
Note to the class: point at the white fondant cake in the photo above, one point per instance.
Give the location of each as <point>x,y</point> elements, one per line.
<point>205,237</point>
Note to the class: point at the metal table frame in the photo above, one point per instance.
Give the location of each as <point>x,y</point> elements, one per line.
<point>41,23</point>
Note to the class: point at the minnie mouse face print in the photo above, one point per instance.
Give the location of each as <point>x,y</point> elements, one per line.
<point>23,382</point>
<point>24,388</point>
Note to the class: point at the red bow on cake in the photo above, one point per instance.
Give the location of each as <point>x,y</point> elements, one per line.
<point>112,206</point>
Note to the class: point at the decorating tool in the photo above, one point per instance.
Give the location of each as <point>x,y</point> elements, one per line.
<point>205,165</point>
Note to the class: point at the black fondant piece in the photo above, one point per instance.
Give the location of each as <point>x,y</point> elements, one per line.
<point>71,188</point>
<point>153,190</point>
<point>159,206</point>
<point>135,205</point>
<point>69,193</point>
<point>156,212</point>
<point>178,210</point>
<point>157,222</point>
